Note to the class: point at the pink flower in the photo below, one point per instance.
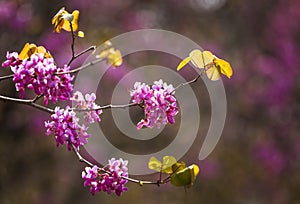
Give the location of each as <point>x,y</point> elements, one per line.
<point>89,106</point>
<point>41,75</point>
<point>66,129</point>
<point>108,179</point>
<point>159,103</point>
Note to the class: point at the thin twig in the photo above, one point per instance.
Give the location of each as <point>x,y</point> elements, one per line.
<point>72,44</point>
<point>27,102</point>
<point>81,159</point>
<point>6,77</point>
<point>82,67</point>
<point>189,82</point>
<point>91,48</point>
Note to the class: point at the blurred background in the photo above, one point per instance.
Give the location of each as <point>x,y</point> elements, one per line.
<point>256,159</point>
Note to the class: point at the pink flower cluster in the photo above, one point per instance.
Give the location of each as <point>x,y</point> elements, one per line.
<point>66,129</point>
<point>108,179</point>
<point>88,105</point>
<point>159,103</point>
<point>41,75</point>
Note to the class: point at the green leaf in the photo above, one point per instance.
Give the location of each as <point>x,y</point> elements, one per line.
<point>178,166</point>
<point>168,161</point>
<point>154,164</point>
<point>186,176</point>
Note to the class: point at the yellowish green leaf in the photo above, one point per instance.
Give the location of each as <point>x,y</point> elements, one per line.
<point>178,166</point>
<point>114,57</point>
<point>186,176</point>
<point>183,63</point>
<point>155,164</point>
<point>168,161</point>
<point>197,58</point>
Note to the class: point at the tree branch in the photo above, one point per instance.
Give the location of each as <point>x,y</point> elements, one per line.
<point>6,77</point>
<point>27,102</point>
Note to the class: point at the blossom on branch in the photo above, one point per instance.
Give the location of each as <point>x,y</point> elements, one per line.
<point>110,178</point>
<point>37,70</point>
<point>88,105</point>
<point>66,128</point>
<point>158,101</point>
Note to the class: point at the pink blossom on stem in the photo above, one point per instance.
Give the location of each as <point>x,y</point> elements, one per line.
<point>66,129</point>
<point>41,75</point>
<point>87,103</point>
<point>12,60</point>
<point>159,103</point>
<point>107,179</point>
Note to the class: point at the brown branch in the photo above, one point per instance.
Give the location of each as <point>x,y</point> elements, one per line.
<point>27,102</point>
<point>189,82</point>
<point>81,67</point>
<point>6,77</point>
<point>72,44</point>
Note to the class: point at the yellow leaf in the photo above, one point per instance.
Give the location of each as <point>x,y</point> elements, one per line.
<point>154,164</point>
<point>208,57</point>
<point>214,66</point>
<point>66,25</point>
<point>27,51</point>
<point>183,63</point>
<point>115,58</point>
<point>30,49</point>
<point>62,20</point>
<point>165,166</point>
<point>212,72</point>
<point>224,67</point>
<point>112,55</point>
<point>197,58</point>
<point>168,161</point>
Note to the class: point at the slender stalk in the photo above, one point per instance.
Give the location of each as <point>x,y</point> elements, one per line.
<point>72,44</point>
<point>82,67</point>
<point>189,82</point>
<point>27,102</point>
<point>91,48</point>
<point>6,77</point>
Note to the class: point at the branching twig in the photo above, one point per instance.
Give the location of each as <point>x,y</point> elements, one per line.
<point>27,102</point>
